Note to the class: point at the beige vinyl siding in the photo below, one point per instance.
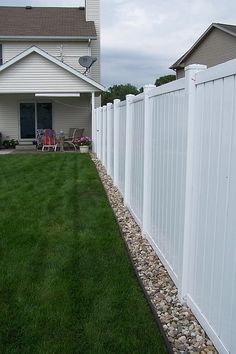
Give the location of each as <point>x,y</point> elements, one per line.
<point>93,14</point>
<point>71,51</point>
<point>67,113</point>
<point>98,101</point>
<point>72,113</point>
<point>37,74</point>
<point>180,73</point>
<point>218,47</point>
<point>8,117</point>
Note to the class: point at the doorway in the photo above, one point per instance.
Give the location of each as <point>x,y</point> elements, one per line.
<point>33,116</point>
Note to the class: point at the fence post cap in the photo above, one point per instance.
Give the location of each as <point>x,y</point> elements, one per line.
<point>129,97</point>
<point>109,105</point>
<point>195,67</point>
<point>116,101</point>
<point>148,87</point>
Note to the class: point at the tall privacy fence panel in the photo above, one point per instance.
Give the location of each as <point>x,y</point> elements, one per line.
<point>166,173</point>
<point>110,140</point>
<point>212,273</point>
<point>120,145</point>
<point>171,151</point>
<point>135,168</point>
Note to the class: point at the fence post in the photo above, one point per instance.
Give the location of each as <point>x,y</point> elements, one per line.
<point>99,132</point>
<point>95,131</point>
<point>109,148</point>
<point>116,141</point>
<point>94,135</point>
<point>128,143</point>
<point>147,158</point>
<point>190,75</point>
<point>104,136</point>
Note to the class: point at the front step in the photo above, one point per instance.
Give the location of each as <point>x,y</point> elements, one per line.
<point>25,142</point>
<point>25,147</point>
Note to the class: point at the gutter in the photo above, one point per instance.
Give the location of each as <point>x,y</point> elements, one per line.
<point>48,38</point>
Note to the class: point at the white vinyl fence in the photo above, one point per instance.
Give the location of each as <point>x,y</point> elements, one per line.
<point>171,151</point>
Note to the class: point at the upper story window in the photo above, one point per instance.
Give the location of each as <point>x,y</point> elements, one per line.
<point>1,54</point>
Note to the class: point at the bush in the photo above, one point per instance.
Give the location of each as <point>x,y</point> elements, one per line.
<point>10,144</point>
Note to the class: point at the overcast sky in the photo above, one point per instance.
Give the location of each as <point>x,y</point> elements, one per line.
<point>142,38</point>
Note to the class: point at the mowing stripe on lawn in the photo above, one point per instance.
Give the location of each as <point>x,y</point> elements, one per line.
<point>66,283</point>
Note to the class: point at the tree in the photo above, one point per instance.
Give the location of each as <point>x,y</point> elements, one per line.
<point>118,91</point>
<point>165,79</point>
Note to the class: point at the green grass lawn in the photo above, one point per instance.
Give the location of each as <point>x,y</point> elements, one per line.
<point>66,284</point>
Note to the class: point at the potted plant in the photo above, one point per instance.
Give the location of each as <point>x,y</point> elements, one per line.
<point>84,143</point>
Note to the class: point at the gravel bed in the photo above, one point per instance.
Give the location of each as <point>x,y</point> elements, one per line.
<point>180,325</point>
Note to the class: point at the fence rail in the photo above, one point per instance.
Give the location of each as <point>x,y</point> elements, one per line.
<point>171,151</point>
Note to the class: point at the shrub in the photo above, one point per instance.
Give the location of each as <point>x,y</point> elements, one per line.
<point>10,144</point>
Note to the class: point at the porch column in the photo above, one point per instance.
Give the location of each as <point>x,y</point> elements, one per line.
<point>94,129</point>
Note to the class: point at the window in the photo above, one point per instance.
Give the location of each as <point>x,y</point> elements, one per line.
<point>0,54</point>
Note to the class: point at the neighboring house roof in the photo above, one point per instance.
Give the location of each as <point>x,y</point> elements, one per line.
<point>45,22</point>
<point>230,29</point>
<point>35,49</point>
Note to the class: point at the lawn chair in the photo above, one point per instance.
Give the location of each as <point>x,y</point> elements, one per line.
<point>74,134</point>
<point>49,140</point>
<point>39,138</point>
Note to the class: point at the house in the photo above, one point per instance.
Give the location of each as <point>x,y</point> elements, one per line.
<point>42,84</point>
<point>217,45</point>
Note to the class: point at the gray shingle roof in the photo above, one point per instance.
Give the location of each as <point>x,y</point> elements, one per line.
<point>45,21</point>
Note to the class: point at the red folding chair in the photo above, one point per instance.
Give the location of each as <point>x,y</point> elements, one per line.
<point>49,140</point>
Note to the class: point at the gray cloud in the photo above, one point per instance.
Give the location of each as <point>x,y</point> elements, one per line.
<point>153,34</point>
<point>141,39</point>
<point>131,67</point>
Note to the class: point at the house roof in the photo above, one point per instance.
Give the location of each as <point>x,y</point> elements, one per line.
<point>230,29</point>
<point>35,49</point>
<point>45,22</point>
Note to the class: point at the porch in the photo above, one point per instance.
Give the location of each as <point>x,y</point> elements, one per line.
<point>22,114</point>
<point>38,91</point>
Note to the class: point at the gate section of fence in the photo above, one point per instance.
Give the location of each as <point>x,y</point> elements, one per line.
<point>171,151</point>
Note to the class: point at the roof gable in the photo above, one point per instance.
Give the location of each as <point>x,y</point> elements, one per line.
<point>45,21</point>
<point>230,29</point>
<point>94,86</point>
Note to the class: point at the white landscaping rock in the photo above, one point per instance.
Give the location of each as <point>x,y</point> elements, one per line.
<point>180,325</point>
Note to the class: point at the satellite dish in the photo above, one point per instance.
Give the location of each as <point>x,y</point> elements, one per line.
<point>87,61</point>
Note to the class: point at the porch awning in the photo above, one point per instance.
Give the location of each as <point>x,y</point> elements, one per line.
<point>58,94</point>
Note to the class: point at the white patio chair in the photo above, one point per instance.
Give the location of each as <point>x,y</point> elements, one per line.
<point>74,134</point>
